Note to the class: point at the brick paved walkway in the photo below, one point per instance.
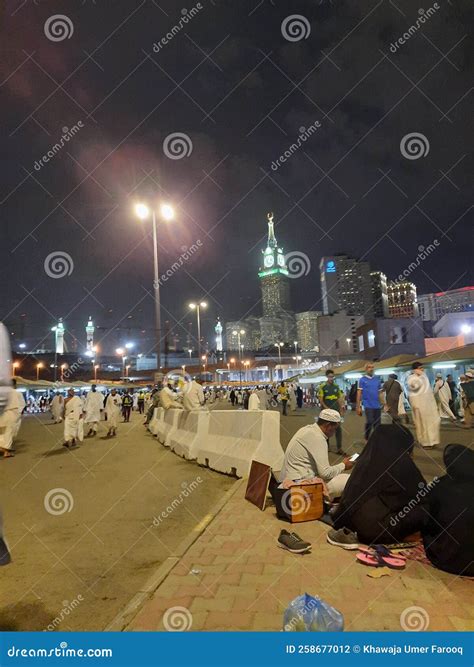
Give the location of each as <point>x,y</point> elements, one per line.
<point>234,577</point>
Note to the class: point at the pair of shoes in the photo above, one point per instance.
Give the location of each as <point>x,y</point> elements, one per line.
<point>293,542</point>
<point>344,538</point>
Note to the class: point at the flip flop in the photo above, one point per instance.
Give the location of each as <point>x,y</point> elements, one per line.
<point>380,556</point>
<point>382,551</point>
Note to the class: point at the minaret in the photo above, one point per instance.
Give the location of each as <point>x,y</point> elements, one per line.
<point>90,335</point>
<point>59,336</point>
<point>218,330</point>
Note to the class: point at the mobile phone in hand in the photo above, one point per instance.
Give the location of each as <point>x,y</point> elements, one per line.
<point>354,457</point>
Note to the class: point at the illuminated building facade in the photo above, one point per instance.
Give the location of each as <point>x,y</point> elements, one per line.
<point>273,276</point>
<point>307,330</point>
<point>346,286</point>
<point>433,306</point>
<point>402,300</point>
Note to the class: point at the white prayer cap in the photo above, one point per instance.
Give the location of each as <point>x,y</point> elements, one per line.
<point>330,415</point>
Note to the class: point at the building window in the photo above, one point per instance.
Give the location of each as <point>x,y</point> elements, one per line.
<point>361,343</point>
<point>371,338</point>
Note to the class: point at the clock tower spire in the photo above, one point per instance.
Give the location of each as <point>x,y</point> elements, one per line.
<point>274,276</point>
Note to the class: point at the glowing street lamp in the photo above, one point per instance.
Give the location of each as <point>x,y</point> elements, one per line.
<point>465,329</point>
<point>96,368</point>
<point>295,343</point>
<point>279,346</point>
<point>239,333</point>
<point>166,212</point>
<point>38,367</point>
<point>63,368</point>
<point>348,341</point>
<point>127,368</point>
<point>190,352</point>
<point>15,365</point>
<point>246,365</point>
<point>197,307</point>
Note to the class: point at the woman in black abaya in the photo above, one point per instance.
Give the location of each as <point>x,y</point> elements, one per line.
<point>384,497</point>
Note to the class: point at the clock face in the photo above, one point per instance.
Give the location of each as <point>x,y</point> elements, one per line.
<point>281,260</point>
<point>268,261</point>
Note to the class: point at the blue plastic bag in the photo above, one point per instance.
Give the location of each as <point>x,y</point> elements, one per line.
<point>311,614</point>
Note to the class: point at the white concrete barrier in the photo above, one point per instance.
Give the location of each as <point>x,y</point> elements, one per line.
<point>165,423</point>
<point>190,434</point>
<point>236,437</point>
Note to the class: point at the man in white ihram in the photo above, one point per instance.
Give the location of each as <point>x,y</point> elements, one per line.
<point>10,421</point>
<point>307,455</point>
<point>442,392</point>
<point>73,424</point>
<point>113,408</point>
<point>57,408</point>
<point>193,398</point>
<point>423,405</point>
<point>93,407</point>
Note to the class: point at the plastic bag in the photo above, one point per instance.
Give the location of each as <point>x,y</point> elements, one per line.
<point>311,614</point>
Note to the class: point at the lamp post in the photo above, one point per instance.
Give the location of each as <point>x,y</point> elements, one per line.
<point>63,366</point>
<point>246,364</point>
<point>279,346</point>
<point>348,341</point>
<point>197,307</point>
<point>127,368</point>
<point>38,366</point>
<point>95,372</point>
<point>295,343</point>
<point>239,333</point>
<point>166,213</point>
<point>15,365</point>
<point>190,352</point>
<point>120,351</point>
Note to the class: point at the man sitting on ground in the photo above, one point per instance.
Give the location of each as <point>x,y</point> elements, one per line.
<point>307,455</point>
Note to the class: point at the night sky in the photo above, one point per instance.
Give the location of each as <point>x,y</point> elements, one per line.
<point>241,89</point>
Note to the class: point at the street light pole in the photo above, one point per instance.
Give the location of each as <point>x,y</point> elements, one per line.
<point>278,345</point>
<point>197,307</point>
<point>156,286</point>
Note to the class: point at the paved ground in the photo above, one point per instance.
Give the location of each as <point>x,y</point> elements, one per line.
<point>234,577</point>
<point>84,565</point>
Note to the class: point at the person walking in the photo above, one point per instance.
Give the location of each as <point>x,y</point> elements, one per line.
<point>391,392</point>
<point>113,407</point>
<point>454,395</point>
<point>57,408</point>
<point>368,396</point>
<point>443,396</point>
<point>141,402</point>
<point>331,397</point>
<point>467,393</point>
<point>299,397</point>
<point>73,424</point>
<point>127,403</point>
<point>93,408</point>
<point>423,404</point>
<point>284,398</point>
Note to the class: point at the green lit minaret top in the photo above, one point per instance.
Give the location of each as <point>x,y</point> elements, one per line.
<point>273,257</point>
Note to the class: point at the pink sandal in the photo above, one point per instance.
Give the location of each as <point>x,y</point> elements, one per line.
<point>380,556</point>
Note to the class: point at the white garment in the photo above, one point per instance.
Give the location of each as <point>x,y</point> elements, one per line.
<point>401,404</point>
<point>254,401</point>
<point>92,407</point>
<point>10,420</point>
<point>442,391</point>
<point>307,456</point>
<point>57,407</point>
<point>72,417</point>
<point>113,407</point>
<point>425,410</point>
<point>292,399</point>
<point>193,398</point>
<point>263,398</point>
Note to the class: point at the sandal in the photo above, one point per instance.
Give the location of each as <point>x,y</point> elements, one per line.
<point>380,556</point>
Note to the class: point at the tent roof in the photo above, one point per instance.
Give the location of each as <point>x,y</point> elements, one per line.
<point>456,354</point>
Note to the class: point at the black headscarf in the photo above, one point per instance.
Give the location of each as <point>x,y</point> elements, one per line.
<point>459,462</point>
<point>385,460</point>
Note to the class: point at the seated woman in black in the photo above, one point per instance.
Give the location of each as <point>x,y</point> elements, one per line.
<point>448,535</point>
<point>381,501</point>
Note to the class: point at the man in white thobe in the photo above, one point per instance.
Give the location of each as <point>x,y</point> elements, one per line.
<point>73,423</point>
<point>193,398</point>
<point>306,456</point>
<point>442,392</point>
<point>93,408</point>
<point>254,401</point>
<point>423,404</point>
<point>113,408</point>
<point>57,408</point>
<point>10,421</point>
<point>263,398</point>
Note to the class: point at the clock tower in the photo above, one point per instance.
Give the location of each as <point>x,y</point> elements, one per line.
<point>274,277</point>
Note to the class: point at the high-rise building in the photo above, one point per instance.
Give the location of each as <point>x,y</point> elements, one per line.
<point>307,330</point>
<point>251,339</point>
<point>90,335</point>
<point>59,336</point>
<point>273,276</point>
<point>218,331</point>
<point>402,300</point>
<point>279,329</point>
<point>433,306</point>
<point>346,286</point>
<point>378,282</point>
